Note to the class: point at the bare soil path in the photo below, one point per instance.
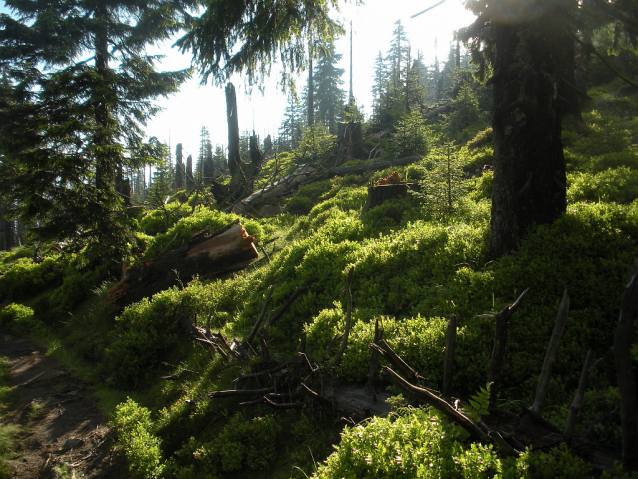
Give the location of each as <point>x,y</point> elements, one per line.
<point>61,427</point>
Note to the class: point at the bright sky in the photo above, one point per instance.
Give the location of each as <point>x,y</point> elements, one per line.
<point>195,106</point>
<point>373,23</point>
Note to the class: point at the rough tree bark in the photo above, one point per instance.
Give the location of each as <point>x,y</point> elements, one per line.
<point>529,166</point>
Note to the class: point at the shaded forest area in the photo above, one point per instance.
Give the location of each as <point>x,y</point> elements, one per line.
<point>359,297</point>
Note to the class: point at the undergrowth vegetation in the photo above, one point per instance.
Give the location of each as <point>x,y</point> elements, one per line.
<point>416,261</point>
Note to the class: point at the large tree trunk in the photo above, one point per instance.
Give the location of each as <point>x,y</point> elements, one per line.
<point>529,166</point>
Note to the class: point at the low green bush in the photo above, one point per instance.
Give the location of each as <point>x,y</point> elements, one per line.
<point>619,185</point>
<point>145,333</point>
<point>420,444</point>
<point>244,444</point>
<point>21,319</point>
<point>8,257</point>
<point>160,220</point>
<point>75,288</point>
<point>141,448</point>
<point>25,278</point>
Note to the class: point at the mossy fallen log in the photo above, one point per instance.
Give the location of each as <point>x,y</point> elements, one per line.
<point>206,254</point>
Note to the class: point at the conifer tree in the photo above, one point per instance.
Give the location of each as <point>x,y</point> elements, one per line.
<point>205,166</point>
<point>79,89</point>
<point>328,95</point>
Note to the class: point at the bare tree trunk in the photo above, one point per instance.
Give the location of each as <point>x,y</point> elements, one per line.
<point>190,182</point>
<point>311,92</point>
<point>500,341</point>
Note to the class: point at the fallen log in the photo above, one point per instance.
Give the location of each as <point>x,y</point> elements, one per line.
<point>381,165</point>
<point>206,254</point>
<point>307,174</point>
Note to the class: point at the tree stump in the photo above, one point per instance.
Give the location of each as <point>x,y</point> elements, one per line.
<point>385,189</point>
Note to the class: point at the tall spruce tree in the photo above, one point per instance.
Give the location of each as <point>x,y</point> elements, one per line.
<point>78,88</point>
<point>328,95</point>
<point>205,167</point>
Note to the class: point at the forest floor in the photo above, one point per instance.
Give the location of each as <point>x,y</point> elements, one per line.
<point>62,433</point>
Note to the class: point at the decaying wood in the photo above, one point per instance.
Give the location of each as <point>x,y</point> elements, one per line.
<point>578,399</point>
<point>385,350</point>
<point>550,356</point>
<point>206,254</point>
<point>281,188</point>
<point>358,403</point>
<point>500,341</point>
<point>274,317</point>
<point>625,374</point>
<point>385,189</point>
<point>346,333</point>
<point>374,357</point>
<point>434,401</point>
<point>253,332</point>
<point>298,382</point>
<point>448,362</point>
<point>351,144</point>
<point>240,392</point>
<point>303,175</point>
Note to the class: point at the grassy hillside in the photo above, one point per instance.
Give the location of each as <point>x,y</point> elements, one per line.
<point>416,261</point>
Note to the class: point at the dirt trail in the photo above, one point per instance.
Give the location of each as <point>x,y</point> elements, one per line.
<point>61,427</point>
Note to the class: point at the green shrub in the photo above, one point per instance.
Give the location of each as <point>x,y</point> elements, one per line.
<point>148,332</point>
<point>556,463</point>
<point>309,195</point>
<point>145,333</point>
<point>243,444</point>
<point>8,257</point>
<point>415,443</point>
<point>589,252</point>
<point>159,220</point>
<point>133,425</point>
<point>21,319</point>
<point>76,287</point>
<point>25,277</point>
<point>618,185</point>
<point>419,444</point>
